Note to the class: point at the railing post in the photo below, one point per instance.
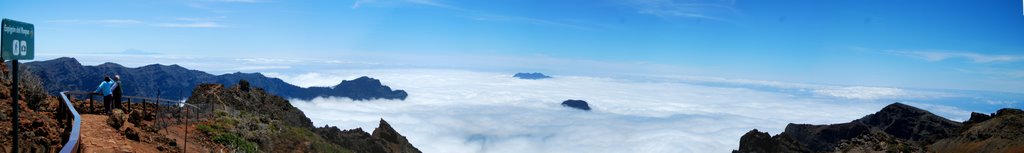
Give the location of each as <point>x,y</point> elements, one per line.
<point>91,104</point>
<point>187,125</point>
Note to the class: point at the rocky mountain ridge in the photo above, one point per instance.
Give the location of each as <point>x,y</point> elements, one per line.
<point>174,81</point>
<point>897,128</point>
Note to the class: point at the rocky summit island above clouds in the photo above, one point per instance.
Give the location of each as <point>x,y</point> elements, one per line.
<point>577,104</point>
<point>531,76</point>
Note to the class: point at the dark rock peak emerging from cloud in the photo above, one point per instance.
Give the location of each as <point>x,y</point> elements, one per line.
<point>531,76</point>
<point>897,127</point>
<point>174,81</point>
<point>365,88</point>
<point>577,104</point>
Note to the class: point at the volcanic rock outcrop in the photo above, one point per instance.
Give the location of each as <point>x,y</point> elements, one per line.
<point>897,128</point>
<point>383,139</point>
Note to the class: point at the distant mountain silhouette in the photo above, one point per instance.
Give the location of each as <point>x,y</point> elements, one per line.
<point>175,82</point>
<point>531,76</point>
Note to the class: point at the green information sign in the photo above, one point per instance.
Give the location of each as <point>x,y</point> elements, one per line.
<point>18,40</point>
<point>18,43</point>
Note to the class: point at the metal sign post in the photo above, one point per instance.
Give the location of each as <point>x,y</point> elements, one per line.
<point>18,42</point>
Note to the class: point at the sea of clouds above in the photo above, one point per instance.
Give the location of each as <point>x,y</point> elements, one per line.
<point>473,111</point>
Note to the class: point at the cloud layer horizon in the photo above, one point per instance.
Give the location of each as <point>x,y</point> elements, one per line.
<point>470,111</point>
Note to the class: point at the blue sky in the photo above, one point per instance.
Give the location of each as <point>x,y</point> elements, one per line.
<point>974,45</point>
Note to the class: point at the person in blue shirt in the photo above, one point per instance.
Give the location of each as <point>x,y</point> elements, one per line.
<point>106,88</point>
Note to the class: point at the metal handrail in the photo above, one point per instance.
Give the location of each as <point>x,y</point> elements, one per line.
<point>72,144</point>
<point>73,141</point>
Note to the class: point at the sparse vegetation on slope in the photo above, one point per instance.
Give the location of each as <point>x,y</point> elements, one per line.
<point>250,120</point>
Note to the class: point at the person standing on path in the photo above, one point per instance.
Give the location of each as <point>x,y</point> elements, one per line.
<point>117,92</point>
<point>105,90</point>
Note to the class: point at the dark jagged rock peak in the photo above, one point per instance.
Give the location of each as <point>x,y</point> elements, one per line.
<point>174,81</point>
<point>757,141</point>
<point>531,76</point>
<point>577,104</point>
<point>395,142</point>
<point>254,110</point>
<point>383,140</point>
<point>897,127</point>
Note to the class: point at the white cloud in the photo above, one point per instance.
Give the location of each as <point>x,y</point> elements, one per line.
<point>194,22</point>
<point>251,68</point>
<point>434,4</point>
<point>718,10</point>
<point>479,15</point>
<point>1006,103</point>
<point>116,21</point>
<point>526,20</point>
<point>932,55</point>
<point>138,52</point>
<point>269,60</point>
<point>468,111</point>
<point>178,22</point>
<point>942,109</point>
<point>203,24</point>
<point>834,91</point>
<point>860,92</point>
<point>109,22</point>
<point>310,79</point>
<point>359,3</point>
<point>1016,73</point>
<point>431,3</point>
<point>237,1</point>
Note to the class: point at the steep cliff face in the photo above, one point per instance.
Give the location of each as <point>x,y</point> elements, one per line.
<point>249,119</point>
<point>897,127</point>
<point>173,81</point>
